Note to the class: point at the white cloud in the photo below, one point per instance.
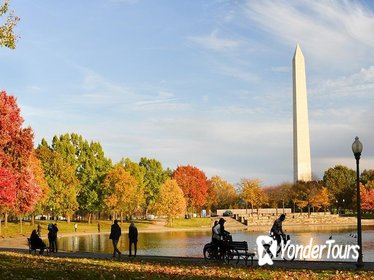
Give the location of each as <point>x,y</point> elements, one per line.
<point>239,74</point>
<point>357,85</point>
<point>213,42</point>
<point>326,30</point>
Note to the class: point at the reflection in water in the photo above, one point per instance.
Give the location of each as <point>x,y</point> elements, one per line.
<point>187,243</point>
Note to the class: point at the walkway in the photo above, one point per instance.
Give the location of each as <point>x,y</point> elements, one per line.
<point>310,265</point>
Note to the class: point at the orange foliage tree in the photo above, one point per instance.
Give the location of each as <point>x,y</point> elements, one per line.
<point>170,200</point>
<point>221,194</point>
<point>193,182</point>
<point>121,192</point>
<point>367,199</point>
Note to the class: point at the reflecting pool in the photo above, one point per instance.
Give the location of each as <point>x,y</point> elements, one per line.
<point>191,243</point>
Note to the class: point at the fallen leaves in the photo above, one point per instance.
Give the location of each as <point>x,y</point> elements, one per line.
<point>24,266</point>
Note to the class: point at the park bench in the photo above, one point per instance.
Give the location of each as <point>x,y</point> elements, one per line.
<point>242,251</point>
<point>32,250</point>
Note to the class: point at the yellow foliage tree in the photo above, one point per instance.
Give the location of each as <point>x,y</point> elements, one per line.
<point>252,193</point>
<point>121,192</point>
<point>321,198</point>
<point>223,194</point>
<point>170,201</point>
<point>7,36</point>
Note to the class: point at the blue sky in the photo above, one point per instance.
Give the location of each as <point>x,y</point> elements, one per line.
<point>206,83</point>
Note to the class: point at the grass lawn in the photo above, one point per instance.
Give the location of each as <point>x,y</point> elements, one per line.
<point>15,229</point>
<point>24,266</point>
<point>192,223</point>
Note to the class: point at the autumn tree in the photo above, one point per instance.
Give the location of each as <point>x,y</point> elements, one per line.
<point>62,181</point>
<point>7,191</point>
<point>224,194</point>
<point>366,176</point>
<point>340,181</point>
<point>154,177</point>
<point>16,147</point>
<point>305,192</point>
<point>7,37</point>
<point>170,200</point>
<point>138,172</point>
<point>37,170</point>
<point>279,196</point>
<point>90,165</point>
<point>320,198</point>
<point>120,188</point>
<point>252,193</point>
<point>193,182</point>
<point>212,197</point>
<point>367,198</point>
<point>7,188</point>
<point>369,185</point>
<point>273,198</point>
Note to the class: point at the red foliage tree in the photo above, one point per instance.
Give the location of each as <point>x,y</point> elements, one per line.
<point>7,188</point>
<point>194,184</point>
<point>16,146</point>
<point>367,199</point>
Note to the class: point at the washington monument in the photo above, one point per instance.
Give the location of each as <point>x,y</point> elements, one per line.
<point>301,145</point>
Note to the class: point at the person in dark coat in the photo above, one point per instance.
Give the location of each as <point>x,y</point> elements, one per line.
<point>36,242</point>
<point>115,234</point>
<point>52,237</point>
<point>133,238</point>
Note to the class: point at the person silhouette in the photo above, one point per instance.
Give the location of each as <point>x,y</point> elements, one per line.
<point>115,234</point>
<point>36,242</point>
<point>133,238</point>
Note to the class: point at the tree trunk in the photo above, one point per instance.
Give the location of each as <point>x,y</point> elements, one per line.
<point>308,211</point>
<point>6,220</point>
<point>89,218</point>
<point>20,219</point>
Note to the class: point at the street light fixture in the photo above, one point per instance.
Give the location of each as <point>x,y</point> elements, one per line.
<point>357,149</point>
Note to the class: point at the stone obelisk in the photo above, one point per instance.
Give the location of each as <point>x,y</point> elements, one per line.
<point>301,145</point>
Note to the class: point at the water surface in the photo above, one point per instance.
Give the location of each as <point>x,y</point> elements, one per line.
<point>191,243</point>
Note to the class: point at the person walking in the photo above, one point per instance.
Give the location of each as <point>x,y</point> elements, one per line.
<point>75,227</point>
<point>133,238</point>
<point>115,234</point>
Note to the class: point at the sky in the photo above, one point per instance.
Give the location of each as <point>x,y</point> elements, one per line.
<point>206,83</point>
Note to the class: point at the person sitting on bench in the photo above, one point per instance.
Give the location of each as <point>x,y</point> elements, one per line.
<point>36,242</point>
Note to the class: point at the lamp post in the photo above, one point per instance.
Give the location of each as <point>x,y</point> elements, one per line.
<point>357,149</point>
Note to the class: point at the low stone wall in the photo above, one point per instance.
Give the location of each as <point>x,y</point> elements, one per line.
<point>261,211</point>
<point>295,219</point>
